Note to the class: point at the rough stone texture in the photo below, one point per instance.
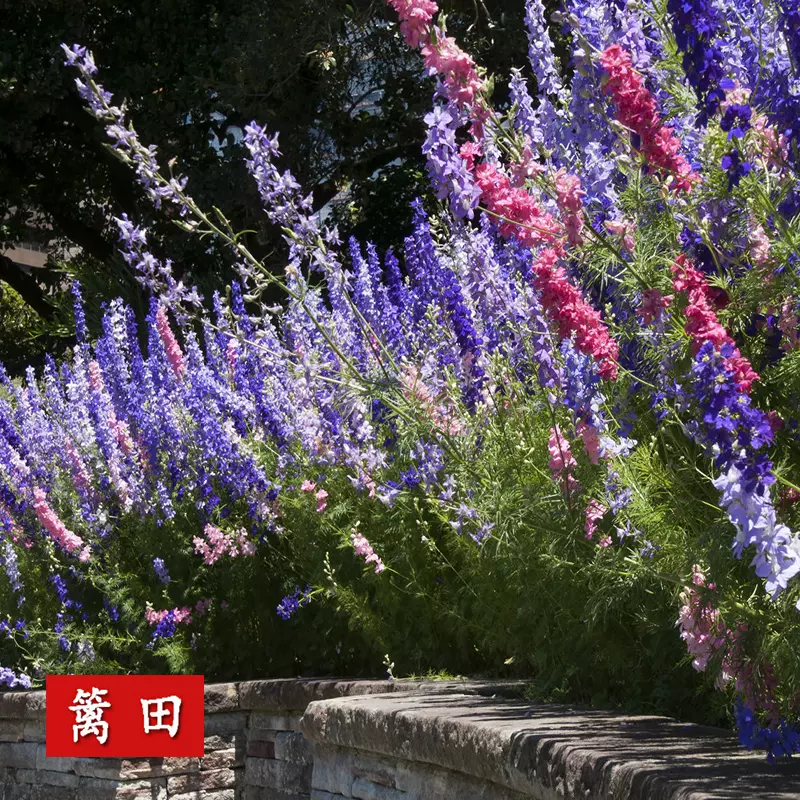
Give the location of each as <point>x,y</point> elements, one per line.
<point>398,740</point>
<point>544,751</point>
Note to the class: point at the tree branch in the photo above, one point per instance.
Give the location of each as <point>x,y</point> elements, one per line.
<point>26,286</point>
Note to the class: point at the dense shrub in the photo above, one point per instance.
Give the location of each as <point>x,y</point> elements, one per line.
<point>555,438</point>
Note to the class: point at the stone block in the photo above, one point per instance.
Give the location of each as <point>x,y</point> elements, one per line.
<point>367,790</point>
<point>222,794</point>
<point>224,741</point>
<point>53,764</point>
<point>316,794</point>
<point>294,747</point>
<point>221,697</point>
<point>264,720</point>
<point>228,722</point>
<point>333,770</point>
<point>21,755</point>
<point>281,776</point>
<point>374,769</point>
<point>260,793</point>
<point>97,789</point>
<point>19,705</point>
<point>24,775</point>
<point>154,789</point>
<point>50,778</point>
<point>261,734</point>
<point>261,749</point>
<point>220,759</point>
<point>34,730</point>
<point>12,730</point>
<point>295,694</point>
<point>202,781</point>
<point>108,769</point>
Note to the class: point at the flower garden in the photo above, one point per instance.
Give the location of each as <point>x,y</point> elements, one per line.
<point>552,436</point>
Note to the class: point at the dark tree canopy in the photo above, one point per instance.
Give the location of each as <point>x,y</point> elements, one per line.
<point>334,78</point>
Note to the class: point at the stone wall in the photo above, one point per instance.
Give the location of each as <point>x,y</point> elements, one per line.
<point>397,740</point>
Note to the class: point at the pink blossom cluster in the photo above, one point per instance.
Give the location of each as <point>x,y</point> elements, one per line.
<point>759,245</point>
<point>636,109</point>
<point>569,197</point>
<point>520,215</point>
<point>787,324</point>
<point>593,512</point>
<point>700,623</point>
<point>706,637</point>
<point>217,543</point>
<point>623,229</point>
<point>415,19</point>
<point>174,354</point>
<point>461,81</point>
<point>182,616</point>
<point>591,442</point>
<point>364,548</point>
<point>444,417</point>
<point>58,531</point>
<point>573,314</point>
<point>702,323</point>
<point>562,462</point>
<point>653,305</point>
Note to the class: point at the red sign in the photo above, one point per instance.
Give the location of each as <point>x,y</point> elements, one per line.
<point>124,716</point>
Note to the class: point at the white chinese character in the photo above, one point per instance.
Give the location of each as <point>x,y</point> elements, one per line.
<point>88,710</point>
<point>158,714</point>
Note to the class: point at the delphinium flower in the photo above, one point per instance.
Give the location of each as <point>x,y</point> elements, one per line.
<point>13,679</point>
<point>582,138</point>
<point>653,305</point>
<point>636,109</point>
<point>155,275</point>
<point>161,570</point>
<point>788,325</point>
<point>415,19</point>
<point>569,196</point>
<point>124,137</point>
<point>446,170</point>
<point>461,82</point>
<point>518,212</point>
<point>702,323</point>
<point>166,620</point>
<point>562,462</point>
<point>218,543</point>
<point>759,244</point>
<point>696,25</point>
<point>11,564</point>
<point>735,433</point>
<point>573,315</point>
<point>171,346</point>
<point>541,53</point>
<point>779,740</point>
<point>58,531</point>
<point>700,625</point>
<point>292,602</point>
<point>618,496</point>
<point>364,548</point>
<point>593,512</point>
<point>526,118</point>
<point>736,167</point>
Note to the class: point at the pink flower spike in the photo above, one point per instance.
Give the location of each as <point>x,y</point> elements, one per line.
<point>322,500</point>
<point>50,521</point>
<point>173,349</point>
<point>636,110</point>
<point>308,486</point>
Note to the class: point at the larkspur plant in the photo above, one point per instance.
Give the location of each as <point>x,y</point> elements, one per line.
<point>560,419</point>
